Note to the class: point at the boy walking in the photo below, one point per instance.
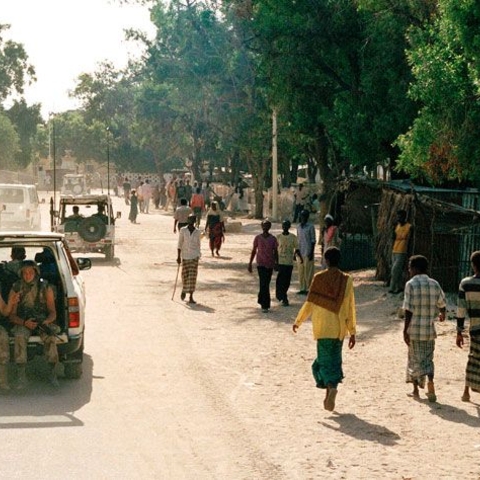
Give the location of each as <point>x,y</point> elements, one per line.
<point>423,299</point>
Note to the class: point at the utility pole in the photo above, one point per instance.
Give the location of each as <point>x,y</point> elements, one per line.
<point>52,151</point>
<point>108,160</point>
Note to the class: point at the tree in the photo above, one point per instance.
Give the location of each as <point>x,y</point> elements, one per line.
<point>26,120</point>
<point>108,98</point>
<point>15,70</point>
<point>9,142</point>
<point>442,143</point>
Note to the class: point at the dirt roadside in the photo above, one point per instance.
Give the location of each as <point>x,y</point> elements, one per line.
<point>255,373</point>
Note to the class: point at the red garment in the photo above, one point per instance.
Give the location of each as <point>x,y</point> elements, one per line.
<point>197,201</point>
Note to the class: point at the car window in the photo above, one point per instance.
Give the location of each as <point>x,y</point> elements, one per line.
<point>11,195</point>
<point>5,252</point>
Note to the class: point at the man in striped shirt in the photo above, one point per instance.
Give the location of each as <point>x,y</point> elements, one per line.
<point>423,299</point>
<point>469,303</point>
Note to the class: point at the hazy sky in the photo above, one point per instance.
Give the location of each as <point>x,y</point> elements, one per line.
<point>64,38</point>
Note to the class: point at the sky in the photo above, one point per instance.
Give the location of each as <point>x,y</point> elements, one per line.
<point>64,38</point>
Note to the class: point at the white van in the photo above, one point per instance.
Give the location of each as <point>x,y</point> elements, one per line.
<point>19,207</point>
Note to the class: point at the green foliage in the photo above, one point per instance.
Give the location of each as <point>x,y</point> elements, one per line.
<point>339,75</point>
<point>442,144</point>
<point>18,125</point>
<point>26,120</point>
<point>15,70</point>
<point>9,142</point>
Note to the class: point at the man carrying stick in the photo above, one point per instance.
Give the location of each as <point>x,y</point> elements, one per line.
<point>189,255</point>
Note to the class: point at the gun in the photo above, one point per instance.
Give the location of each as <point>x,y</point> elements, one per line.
<point>39,319</point>
<point>47,330</point>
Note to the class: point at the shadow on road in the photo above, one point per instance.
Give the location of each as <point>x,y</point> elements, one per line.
<point>350,424</point>
<point>43,406</point>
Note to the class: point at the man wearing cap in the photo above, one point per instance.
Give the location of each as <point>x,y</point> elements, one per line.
<point>188,256</point>
<point>36,306</point>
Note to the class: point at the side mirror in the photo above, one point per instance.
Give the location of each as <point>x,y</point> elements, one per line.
<point>84,263</point>
<point>119,215</point>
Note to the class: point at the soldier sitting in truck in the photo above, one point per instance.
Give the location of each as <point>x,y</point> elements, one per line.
<point>101,214</point>
<point>76,214</point>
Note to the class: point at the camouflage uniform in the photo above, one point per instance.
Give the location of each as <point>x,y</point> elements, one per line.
<point>4,346</point>
<point>34,306</point>
<point>4,353</point>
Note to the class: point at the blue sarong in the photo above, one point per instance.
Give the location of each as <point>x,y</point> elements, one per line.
<point>327,367</point>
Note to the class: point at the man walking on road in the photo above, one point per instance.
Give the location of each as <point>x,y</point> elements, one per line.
<point>188,256</point>
<point>180,216</point>
<point>423,298</point>
<point>469,303</point>
<point>402,244</point>
<point>306,242</point>
<point>331,306</point>
<point>287,253</point>
<point>265,248</point>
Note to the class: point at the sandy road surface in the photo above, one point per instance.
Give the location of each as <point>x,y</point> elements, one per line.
<point>221,391</point>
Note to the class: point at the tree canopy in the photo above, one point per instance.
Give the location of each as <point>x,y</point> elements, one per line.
<point>355,83</point>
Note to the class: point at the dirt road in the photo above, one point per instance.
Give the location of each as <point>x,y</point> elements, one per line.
<point>220,390</point>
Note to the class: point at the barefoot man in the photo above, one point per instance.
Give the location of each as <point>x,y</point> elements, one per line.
<point>331,306</point>
<point>423,299</point>
<point>188,256</point>
<point>469,304</point>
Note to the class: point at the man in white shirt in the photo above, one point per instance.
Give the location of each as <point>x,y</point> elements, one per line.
<point>188,256</point>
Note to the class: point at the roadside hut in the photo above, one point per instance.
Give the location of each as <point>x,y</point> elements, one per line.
<point>446,226</point>
<point>445,232</point>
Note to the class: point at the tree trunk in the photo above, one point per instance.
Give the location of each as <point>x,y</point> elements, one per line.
<point>326,175</point>
<point>258,188</point>
<point>258,169</point>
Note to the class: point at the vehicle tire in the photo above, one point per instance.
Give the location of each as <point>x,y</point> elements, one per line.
<point>110,253</point>
<point>73,370</point>
<point>92,229</point>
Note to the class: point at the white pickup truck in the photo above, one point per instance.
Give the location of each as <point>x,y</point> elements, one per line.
<point>62,272</point>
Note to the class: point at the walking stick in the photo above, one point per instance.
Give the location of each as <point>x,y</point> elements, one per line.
<point>176,280</point>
